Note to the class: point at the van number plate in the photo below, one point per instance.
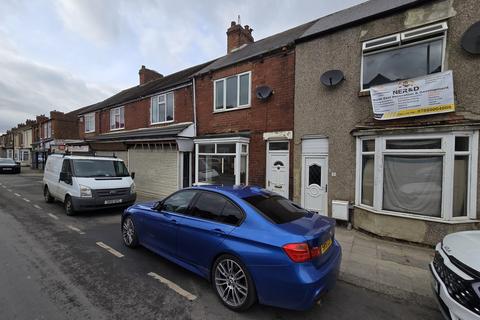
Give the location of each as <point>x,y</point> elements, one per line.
<point>113,201</point>
<point>324,246</point>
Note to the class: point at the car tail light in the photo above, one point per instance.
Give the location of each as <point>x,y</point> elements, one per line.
<point>300,252</point>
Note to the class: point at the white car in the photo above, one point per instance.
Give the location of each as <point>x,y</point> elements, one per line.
<point>456,275</point>
<point>87,183</point>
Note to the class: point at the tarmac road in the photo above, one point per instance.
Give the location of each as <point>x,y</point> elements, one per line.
<point>57,267</point>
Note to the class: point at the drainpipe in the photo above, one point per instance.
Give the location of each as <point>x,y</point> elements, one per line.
<point>194,109</point>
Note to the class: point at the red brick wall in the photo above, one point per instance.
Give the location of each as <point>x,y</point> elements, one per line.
<point>275,114</point>
<point>137,114</point>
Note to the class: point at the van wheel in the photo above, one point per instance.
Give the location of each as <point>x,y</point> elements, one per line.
<point>46,194</point>
<point>69,206</point>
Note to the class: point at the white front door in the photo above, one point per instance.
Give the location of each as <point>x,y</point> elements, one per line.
<point>278,168</point>
<point>315,183</point>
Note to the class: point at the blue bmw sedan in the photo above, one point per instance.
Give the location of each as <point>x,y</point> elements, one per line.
<point>252,244</point>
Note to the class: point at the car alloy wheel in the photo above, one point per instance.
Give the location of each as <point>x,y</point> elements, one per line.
<point>128,233</point>
<point>231,283</point>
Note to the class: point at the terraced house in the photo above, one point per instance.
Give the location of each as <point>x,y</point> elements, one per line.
<point>244,103</point>
<point>412,176</point>
<point>150,126</point>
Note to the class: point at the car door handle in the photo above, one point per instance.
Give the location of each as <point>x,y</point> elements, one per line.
<point>220,232</point>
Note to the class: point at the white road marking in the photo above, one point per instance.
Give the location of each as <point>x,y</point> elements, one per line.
<point>75,229</point>
<point>110,249</point>
<point>25,199</point>
<point>4,187</point>
<point>173,286</point>
<point>9,190</point>
<point>18,195</point>
<point>53,216</point>
<point>37,206</point>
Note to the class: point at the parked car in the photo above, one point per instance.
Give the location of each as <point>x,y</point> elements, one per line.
<point>87,183</point>
<point>252,244</point>
<point>8,165</point>
<point>456,275</point>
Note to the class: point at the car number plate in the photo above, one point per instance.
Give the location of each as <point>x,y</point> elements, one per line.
<point>7,169</point>
<point>326,245</point>
<point>113,201</point>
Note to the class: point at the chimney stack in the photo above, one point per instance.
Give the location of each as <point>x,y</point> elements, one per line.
<point>147,75</point>
<point>238,36</point>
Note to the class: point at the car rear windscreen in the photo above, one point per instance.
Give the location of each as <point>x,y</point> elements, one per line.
<point>276,208</point>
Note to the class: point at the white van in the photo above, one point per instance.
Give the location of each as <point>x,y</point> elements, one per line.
<point>87,183</point>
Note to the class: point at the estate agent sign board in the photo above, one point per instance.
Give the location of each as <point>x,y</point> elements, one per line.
<point>414,97</point>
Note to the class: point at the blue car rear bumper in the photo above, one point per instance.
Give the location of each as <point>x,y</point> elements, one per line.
<point>297,286</point>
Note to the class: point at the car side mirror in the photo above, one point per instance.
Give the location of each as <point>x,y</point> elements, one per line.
<point>158,206</point>
<point>132,174</point>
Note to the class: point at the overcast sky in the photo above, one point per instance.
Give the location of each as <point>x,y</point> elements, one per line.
<point>65,54</point>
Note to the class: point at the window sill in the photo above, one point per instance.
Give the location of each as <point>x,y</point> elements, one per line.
<point>232,109</point>
<point>117,129</point>
<point>93,131</point>
<point>417,217</point>
<point>163,122</point>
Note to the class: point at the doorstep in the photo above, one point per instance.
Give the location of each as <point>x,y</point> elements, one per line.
<point>393,268</point>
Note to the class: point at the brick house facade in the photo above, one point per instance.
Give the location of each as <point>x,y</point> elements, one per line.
<point>257,124</point>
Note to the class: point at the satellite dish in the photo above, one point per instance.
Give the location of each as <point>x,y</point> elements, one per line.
<point>471,39</point>
<point>332,78</point>
<point>263,92</point>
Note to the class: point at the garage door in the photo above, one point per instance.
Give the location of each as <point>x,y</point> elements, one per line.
<point>119,154</point>
<point>155,171</point>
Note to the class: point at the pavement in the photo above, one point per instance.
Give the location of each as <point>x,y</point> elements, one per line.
<point>393,268</point>
<point>54,266</point>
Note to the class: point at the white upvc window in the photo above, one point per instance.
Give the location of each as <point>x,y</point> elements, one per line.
<point>47,130</point>
<point>410,54</point>
<point>221,161</point>
<point>89,122</point>
<point>232,92</point>
<point>162,108</point>
<point>423,176</point>
<point>117,118</point>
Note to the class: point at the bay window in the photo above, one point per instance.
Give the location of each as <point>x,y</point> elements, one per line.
<point>222,161</point>
<point>117,118</point>
<point>162,108</point>
<point>232,92</point>
<point>430,176</point>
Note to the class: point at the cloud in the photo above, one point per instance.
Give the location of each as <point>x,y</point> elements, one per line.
<point>28,89</point>
<point>64,54</point>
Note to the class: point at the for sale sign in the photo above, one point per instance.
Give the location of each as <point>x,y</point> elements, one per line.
<point>414,97</point>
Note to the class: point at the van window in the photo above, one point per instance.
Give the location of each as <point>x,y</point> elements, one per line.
<point>66,167</point>
<point>99,168</point>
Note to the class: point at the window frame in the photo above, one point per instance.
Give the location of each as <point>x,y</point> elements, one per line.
<point>448,153</point>
<point>403,42</point>
<point>112,118</point>
<point>90,115</point>
<point>224,80</point>
<point>238,141</point>
<point>156,98</point>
